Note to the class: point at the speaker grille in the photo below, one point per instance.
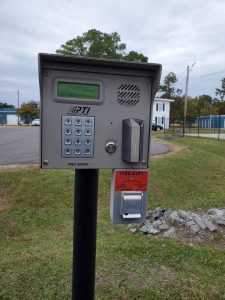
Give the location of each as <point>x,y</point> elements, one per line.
<point>128,94</point>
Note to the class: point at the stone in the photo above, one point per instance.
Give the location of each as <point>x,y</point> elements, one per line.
<point>154,231</point>
<point>148,228</point>
<point>198,220</point>
<point>187,216</point>
<point>192,227</point>
<point>163,226</point>
<point>167,213</point>
<point>220,220</point>
<point>157,213</point>
<point>208,223</point>
<point>216,211</point>
<point>149,215</point>
<point>156,224</point>
<point>175,219</point>
<point>165,221</point>
<point>170,233</point>
<point>133,230</point>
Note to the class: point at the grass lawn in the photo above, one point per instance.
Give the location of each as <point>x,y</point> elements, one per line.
<point>36,233</point>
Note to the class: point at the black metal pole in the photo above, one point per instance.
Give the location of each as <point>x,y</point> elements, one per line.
<point>198,126</point>
<point>84,241</point>
<point>183,127</point>
<point>219,127</point>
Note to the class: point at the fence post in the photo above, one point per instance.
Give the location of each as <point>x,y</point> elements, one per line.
<point>219,127</point>
<point>164,125</point>
<point>183,127</point>
<point>198,126</point>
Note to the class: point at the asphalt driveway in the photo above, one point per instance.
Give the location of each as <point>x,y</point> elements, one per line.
<point>20,145</point>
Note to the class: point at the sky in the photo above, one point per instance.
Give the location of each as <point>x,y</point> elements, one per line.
<point>174,33</point>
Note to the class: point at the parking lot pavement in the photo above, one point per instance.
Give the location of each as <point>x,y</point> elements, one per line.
<point>20,145</point>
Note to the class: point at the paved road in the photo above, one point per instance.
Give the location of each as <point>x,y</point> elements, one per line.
<point>21,145</point>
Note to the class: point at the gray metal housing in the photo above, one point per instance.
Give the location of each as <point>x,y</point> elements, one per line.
<point>135,209</point>
<point>108,112</point>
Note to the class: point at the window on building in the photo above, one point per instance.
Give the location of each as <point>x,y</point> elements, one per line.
<point>157,106</point>
<point>155,120</point>
<point>162,120</point>
<point>163,106</point>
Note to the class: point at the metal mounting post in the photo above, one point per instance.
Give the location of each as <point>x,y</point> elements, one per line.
<point>84,241</point>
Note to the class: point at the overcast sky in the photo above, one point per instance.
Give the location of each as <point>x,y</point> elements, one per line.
<point>174,33</point>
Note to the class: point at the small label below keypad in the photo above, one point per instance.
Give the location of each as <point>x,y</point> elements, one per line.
<point>77,136</point>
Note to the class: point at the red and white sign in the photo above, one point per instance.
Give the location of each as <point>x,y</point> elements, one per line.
<point>131,180</point>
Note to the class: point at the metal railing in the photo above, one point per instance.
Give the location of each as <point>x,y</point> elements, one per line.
<point>205,126</point>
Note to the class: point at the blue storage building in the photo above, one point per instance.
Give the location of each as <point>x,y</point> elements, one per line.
<point>8,116</point>
<point>212,121</point>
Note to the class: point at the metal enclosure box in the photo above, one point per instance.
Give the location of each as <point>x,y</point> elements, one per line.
<point>84,107</point>
<point>128,199</point>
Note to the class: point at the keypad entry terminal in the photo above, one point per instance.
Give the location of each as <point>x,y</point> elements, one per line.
<point>78,136</point>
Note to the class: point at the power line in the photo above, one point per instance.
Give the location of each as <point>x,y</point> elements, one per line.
<point>210,74</point>
<point>182,77</point>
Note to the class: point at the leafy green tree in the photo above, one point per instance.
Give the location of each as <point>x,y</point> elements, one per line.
<point>205,105</point>
<point>177,110</point>
<point>135,56</point>
<point>29,111</point>
<point>6,105</point>
<point>192,109</point>
<point>219,107</point>
<point>167,88</point>
<point>221,92</point>
<point>95,43</point>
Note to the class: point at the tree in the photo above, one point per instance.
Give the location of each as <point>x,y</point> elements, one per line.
<point>6,105</point>
<point>167,88</point>
<point>219,107</point>
<point>177,110</point>
<point>221,92</point>
<point>204,105</point>
<point>95,43</point>
<point>29,111</point>
<point>136,56</point>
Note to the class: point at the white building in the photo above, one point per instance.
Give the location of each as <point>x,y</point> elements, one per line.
<point>161,112</point>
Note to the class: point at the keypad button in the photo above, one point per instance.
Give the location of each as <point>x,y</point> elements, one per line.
<point>87,152</point>
<point>68,142</point>
<point>88,122</point>
<point>68,131</point>
<point>68,121</point>
<point>78,131</point>
<point>78,141</point>
<point>78,122</point>
<point>77,151</point>
<point>67,151</point>
<point>87,132</point>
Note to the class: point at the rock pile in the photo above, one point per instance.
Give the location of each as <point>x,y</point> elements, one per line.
<point>168,222</point>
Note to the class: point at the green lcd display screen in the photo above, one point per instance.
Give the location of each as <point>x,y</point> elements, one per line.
<point>78,90</point>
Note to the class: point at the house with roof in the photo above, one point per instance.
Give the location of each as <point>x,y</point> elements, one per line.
<point>161,112</point>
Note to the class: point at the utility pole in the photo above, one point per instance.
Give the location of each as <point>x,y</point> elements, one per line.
<point>18,107</point>
<point>186,95</point>
<point>185,98</point>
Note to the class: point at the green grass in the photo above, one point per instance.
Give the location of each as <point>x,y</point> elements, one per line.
<point>36,233</point>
